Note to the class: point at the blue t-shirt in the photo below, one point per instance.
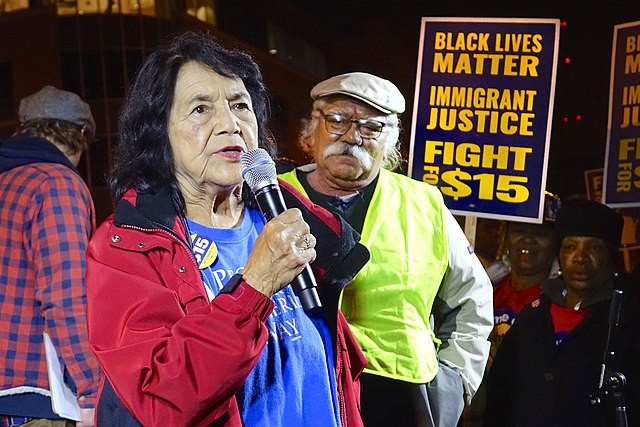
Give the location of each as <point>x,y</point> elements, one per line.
<point>293,383</point>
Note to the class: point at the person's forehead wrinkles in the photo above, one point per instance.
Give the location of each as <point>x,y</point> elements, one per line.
<point>239,95</point>
<point>217,94</point>
<point>201,97</point>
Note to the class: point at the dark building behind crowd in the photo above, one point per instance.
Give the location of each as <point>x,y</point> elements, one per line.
<point>93,47</point>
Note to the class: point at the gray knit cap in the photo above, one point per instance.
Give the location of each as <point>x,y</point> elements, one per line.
<point>53,103</point>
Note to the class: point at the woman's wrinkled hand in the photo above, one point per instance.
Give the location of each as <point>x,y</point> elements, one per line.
<point>280,253</point>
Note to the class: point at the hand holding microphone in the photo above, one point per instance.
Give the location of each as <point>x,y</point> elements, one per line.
<point>279,253</point>
<point>293,243</point>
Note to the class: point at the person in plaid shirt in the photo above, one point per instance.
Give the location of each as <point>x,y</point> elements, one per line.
<point>46,219</point>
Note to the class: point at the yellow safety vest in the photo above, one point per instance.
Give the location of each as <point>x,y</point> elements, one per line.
<point>389,302</point>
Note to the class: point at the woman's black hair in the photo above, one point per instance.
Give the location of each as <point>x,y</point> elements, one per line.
<point>144,159</point>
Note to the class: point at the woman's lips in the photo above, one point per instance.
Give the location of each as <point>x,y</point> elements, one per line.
<point>580,275</point>
<point>231,152</point>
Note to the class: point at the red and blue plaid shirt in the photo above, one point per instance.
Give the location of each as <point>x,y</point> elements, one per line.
<point>46,219</point>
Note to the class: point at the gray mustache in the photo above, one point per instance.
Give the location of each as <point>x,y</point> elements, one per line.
<point>356,151</point>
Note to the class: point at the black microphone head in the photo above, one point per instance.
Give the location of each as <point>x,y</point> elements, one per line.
<point>258,169</point>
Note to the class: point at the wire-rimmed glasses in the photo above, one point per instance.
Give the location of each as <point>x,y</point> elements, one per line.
<point>339,124</point>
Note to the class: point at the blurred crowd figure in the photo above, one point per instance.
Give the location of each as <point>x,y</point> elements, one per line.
<point>46,219</point>
<point>518,256</point>
<point>531,257</point>
<point>548,364</point>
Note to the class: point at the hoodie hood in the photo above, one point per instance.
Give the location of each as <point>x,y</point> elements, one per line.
<point>554,289</point>
<point>23,150</point>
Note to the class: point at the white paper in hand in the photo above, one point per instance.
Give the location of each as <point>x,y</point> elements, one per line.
<point>63,401</point>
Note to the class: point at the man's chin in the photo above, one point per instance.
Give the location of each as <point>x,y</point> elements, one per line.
<point>348,161</point>
<point>349,175</point>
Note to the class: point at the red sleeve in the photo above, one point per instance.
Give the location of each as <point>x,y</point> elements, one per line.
<point>350,363</point>
<point>172,357</point>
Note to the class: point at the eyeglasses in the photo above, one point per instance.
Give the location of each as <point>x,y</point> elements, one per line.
<point>338,124</point>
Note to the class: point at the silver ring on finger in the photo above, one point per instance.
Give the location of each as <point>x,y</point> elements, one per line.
<point>306,243</point>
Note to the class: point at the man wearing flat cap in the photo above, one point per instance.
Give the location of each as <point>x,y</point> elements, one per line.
<point>419,373</point>
<point>46,219</point>
<point>550,361</point>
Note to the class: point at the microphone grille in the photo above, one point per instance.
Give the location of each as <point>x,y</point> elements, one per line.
<point>258,169</point>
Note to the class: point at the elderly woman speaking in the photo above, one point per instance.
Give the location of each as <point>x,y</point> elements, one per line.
<point>190,312</point>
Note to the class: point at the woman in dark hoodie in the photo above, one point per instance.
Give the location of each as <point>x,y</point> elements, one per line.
<point>549,363</point>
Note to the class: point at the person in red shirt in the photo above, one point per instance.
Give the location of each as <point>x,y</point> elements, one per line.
<point>530,258</point>
<point>549,363</point>
<point>531,250</point>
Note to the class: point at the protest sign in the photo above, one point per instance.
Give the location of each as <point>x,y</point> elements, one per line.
<point>621,183</point>
<point>482,113</point>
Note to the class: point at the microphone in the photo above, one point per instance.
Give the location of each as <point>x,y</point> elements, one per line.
<point>259,172</point>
